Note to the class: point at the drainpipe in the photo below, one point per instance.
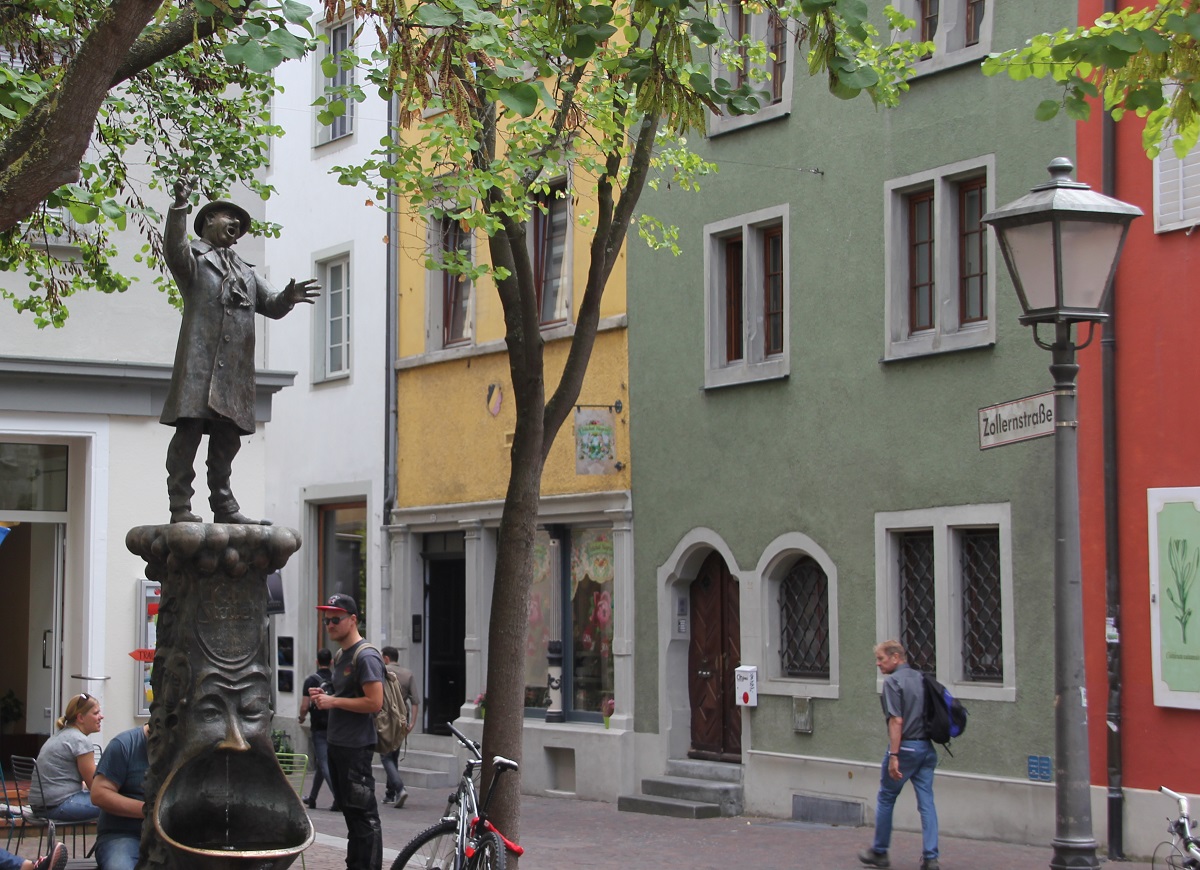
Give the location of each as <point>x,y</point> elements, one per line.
<point>1112,574</point>
<point>391,415</point>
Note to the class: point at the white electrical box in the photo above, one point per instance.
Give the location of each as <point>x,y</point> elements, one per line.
<point>745,682</point>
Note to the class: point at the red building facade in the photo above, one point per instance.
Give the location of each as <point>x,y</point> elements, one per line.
<point>1155,418</point>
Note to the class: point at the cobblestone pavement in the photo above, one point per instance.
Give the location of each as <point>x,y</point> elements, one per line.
<point>563,833</point>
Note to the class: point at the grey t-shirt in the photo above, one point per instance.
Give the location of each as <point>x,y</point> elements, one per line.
<point>904,696</point>
<point>346,728</point>
<point>57,769</point>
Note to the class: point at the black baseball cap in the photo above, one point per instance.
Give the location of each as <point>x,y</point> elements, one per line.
<point>340,601</point>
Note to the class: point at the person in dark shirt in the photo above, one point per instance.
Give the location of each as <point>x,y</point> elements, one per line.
<point>323,677</point>
<point>117,789</point>
<point>357,696</point>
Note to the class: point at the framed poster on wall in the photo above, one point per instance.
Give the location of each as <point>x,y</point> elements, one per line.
<point>147,604</point>
<point>1174,515</point>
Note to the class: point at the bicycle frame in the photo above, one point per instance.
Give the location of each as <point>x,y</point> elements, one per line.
<point>1187,846</point>
<point>464,808</point>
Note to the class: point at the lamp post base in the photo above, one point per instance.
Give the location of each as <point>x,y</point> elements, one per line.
<point>1073,854</point>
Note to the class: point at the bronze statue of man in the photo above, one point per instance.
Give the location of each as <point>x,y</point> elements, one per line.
<point>212,384</point>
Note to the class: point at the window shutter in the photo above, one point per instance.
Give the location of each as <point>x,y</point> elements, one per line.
<point>1176,190</point>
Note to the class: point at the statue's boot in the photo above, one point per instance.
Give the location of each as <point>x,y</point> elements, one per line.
<point>236,516</point>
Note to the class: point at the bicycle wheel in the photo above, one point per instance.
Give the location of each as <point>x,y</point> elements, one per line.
<point>489,854</point>
<point>432,849</point>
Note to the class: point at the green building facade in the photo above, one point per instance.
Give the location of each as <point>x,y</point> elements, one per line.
<point>808,475</point>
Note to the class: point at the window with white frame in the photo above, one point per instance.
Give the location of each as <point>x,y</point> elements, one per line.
<point>550,237</point>
<point>746,272</point>
<point>745,19</point>
<point>450,296</point>
<point>944,590</point>
<point>961,31</point>
<point>332,75</point>
<point>938,275</point>
<point>1176,190</point>
<point>332,317</point>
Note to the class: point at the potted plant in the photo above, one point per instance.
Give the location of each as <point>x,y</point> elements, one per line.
<point>12,709</point>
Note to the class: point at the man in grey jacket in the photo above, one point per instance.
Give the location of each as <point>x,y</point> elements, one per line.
<point>212,383</point>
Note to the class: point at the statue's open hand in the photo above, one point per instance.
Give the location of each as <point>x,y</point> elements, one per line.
<point>182,191</point>
<point>305,291</point>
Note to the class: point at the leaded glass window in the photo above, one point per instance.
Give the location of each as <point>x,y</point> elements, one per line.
<point>983,637</point>
<point>917,597</point>
<point>804,621</point>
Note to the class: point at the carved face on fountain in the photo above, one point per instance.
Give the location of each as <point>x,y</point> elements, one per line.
<point>229,713</point>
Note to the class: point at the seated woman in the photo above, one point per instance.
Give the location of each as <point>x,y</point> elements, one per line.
<point>67,762</point>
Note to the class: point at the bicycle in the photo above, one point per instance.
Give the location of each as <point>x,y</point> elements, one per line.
<point>1184,851</point>
<point>465,839</point>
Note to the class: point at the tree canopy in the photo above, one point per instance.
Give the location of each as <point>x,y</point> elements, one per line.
<point>1140,60</point>
<point>104,100</point>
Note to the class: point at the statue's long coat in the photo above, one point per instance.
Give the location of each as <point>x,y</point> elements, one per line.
<point>213,377</point>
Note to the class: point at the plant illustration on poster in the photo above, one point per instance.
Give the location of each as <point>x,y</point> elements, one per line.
<point>1174,549</point>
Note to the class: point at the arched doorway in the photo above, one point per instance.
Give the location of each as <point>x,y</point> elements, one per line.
<point>713,653</point>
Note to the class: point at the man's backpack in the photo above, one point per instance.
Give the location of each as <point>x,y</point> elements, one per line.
<point>391,722</point>
<point>945,716</point>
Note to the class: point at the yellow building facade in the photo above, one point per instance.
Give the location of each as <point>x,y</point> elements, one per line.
<point>455,424</point>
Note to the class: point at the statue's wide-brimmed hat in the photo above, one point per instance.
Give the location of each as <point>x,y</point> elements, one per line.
<point>243,216</point>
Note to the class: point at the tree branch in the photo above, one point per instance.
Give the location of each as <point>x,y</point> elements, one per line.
<point>43,152</point>
<point>160,42</point>
<point>611,229</point>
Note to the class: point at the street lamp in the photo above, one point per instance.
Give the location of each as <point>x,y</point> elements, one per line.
<point>1061,243</point>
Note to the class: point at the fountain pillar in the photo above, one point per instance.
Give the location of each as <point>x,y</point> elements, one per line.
<point>216,798</point>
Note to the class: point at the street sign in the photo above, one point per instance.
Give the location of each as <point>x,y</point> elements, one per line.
<point>1018,420</point>
<point>142,655</point>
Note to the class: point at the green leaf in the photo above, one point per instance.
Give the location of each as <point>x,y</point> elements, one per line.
<point>860,79</point>
<point>435,16</point>
<point>521,97</point>
<point>578,47</point>
<point>235,53</point>
<point>296,13</point>
<point>83,212</point>
<point>855,12</point>
<point>291,45</point>
<point>1047,109</point>
<point>1127,42</point>
<point>1155,42</point>
<point>705,32</point>
<point>596,14</point>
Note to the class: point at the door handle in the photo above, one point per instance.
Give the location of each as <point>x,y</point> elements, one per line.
<point>46,648</point>
<point>703,674</point>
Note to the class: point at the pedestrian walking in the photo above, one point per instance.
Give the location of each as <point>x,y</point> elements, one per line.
<point>351,738</point>
<point>395,792</point>
<point>321,678</point>
<point>910,756</point>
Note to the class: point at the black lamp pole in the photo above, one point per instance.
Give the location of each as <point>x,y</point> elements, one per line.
<point>1061,243</point>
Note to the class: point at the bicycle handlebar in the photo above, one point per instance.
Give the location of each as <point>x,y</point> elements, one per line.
<point>1183,801</point>
<point>466,741</point>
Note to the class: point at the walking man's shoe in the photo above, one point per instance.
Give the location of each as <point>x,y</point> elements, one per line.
<point>930,864</point>
<point>871,858</point>
<point>403,796</point>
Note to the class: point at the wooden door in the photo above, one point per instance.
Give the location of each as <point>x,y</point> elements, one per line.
<point>714,652</point>
<point>445,628</point>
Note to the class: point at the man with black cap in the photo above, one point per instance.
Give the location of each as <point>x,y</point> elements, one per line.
<point>358,677</point>
<point>212,382</point>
